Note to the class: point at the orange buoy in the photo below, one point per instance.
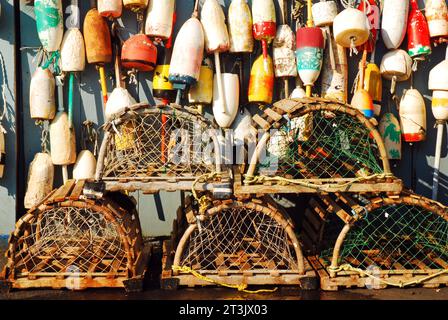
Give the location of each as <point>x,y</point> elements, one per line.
<point>97,38</point>
<point>362,100</point>
<point>138,52</point>
<point>261,81</point>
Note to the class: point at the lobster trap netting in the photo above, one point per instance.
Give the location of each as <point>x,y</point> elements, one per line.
<point>408,232</point>
<point>238,237</point>
<point>158,141</point>
<point>87,239</point>
<point>321,143</point>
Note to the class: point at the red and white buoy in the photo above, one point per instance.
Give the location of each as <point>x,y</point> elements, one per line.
<point>413,116</point>
<point>264,23</point>
<point>419,44</point>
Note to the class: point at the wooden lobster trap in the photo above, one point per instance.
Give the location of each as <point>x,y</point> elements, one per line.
<point>69,241</point>
<point>153,148</point>
<point>316,145</point>
<point>383,241</point>
<point>235,243</point>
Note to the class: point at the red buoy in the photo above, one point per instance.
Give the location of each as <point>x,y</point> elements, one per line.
<point>139,53</point>
<point>418,32</point>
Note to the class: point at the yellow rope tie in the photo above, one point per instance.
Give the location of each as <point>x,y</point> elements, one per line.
<point>283,181</point>
<point>204,201</point>
<point>400,284</point>
<point>240,287</point>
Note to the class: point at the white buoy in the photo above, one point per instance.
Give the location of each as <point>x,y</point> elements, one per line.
<point>73,51</point>
<point>240,27</point>
<point>110,8</point>
<point>396,65</point>
<point>284,57</point>
<point>436,13</point>
<point>42,96</point>
<point>324,13</point>
<point>351,28</point>
<point>40,179</point>
<point>159,20</point>
<point>119,99</point>
<point>394,22</point>
<point>413,116</point>
<point>62,140</point>
<point>243,129</point>
<point>231,90</point>
<point>85,166</point>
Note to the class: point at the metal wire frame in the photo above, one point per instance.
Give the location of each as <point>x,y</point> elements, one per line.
<point>392,234</point>
<point>158,143</point>
<point>318,139</point>
<point>79,238</point>
<point>239,236</point>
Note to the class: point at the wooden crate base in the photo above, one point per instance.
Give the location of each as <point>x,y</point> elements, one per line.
<point>169,281</point>
<point>350,279</point>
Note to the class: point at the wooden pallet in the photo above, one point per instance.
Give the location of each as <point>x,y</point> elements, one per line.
<point>169,280</point>
<point>351,279</point>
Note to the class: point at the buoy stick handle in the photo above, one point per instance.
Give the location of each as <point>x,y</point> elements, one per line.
<point>435,177</point>
<point>308,90</point>
<point>362,65</point>
<point>103,84</point>
<point>286,85</point>
<point>281,5</point>
<point>71,78</point>
<point>163,138</point>
<point>219,81</point>
<point>309,21</point>
<point>64,173</point>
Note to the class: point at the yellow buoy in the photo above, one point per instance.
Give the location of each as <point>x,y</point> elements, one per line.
<point>202,92</point>
<point>261,81</point>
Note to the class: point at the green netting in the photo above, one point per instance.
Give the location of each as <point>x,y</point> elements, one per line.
<point>398,236</point>
<point>321,144</point>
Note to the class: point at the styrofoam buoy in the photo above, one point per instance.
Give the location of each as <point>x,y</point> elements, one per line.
<point>390,131</point>
<point>309,53</point>
<point>40,179</point>
<point>215,29</point>
<point>438,76</point>
<point>298,93</point>
<point>119,99</point>
<point>396,65</point>
<point>334,82</point>
<point>62,140</point>
<point>439,104</point>
<point>351,28</point>
<point>73,52</point>
<point>231,88</point>
<point>240,27</point>
<point>188,49</point>
<point>436,13</point>
<point>324,13</point>
<point>413,116</point>
<point>85,166</point>
<point>261,81</point>
<point>49,22</point>
<point>418,33</point>
<point>42,98</point>
<point>159,19</point>
<point>110,8</point>
<point>284,46</point>
<point>394,22</point>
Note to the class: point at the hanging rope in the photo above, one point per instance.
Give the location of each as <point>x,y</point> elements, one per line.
<point>240,287</point>
<point>89,136</point>
<point>44,137</point>
<point>53,60</point>
<point>3,112</point>
<point>204,201</point>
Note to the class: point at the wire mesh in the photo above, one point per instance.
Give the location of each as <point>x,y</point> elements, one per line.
<point>157,142</point>
<point>395,237</point>
<point>321,144</point>
<point>69,239</point>
<point>240,239</point>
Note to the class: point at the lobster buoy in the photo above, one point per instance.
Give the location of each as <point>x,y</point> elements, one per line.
<point>202,91</point>
<point>2,153</point>
<point>97,38</point>
<point>110,8</point>
<point>413,116</point>
<point>162,88</point>
<point>215,29</point>
<point>390,131</point>
<point>264,22</point>
<point>240,27</point>
<point>335,81</point>
<point>42,99</point>
<point>188,50</point>
<point>138,52</point>
<point>62,140</point>
<point>283,52</point>
<point>40,179</point>
<point>394,22</point>
<point>261,81</point>
<point>362,101</point>
<point>231,88</point>
<point>439,104</point>
<point>136,5</point>
<point>309,53</point>
<point>85,166</point>
<point>351,28</point>
<point>49,22</point>
<point>159,20</point>
<point>436,13</point>
<point>324,13</point>
<point>418,33</point>
<point>73,52</point>
<point>396,65</point>
<point>119,99</point>
<point>374,86</point>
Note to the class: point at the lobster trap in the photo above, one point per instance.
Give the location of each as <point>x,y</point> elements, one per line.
<point>383,241</point>
<point>153,148</point>
<point>312,145</point>
<point>72,242</point>
<point>235,243</point>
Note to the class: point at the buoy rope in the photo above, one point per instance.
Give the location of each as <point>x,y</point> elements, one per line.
<point>2,115</point>
<point>44,136</point>
<point>204,201</point>
<point>400,284</point>
<point>240,287</point>
<point>53,60</point>
<point>249,179</point>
